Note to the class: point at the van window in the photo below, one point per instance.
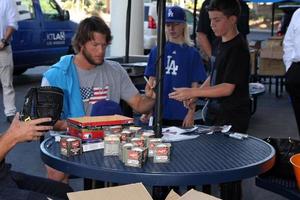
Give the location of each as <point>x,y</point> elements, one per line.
<point>50,10</point>
<point>146,12</point>
<point>25,8</point>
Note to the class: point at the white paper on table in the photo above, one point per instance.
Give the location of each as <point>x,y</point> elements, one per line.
<point>177,131</point>
<point>175,138</point>
<point>173,134</point>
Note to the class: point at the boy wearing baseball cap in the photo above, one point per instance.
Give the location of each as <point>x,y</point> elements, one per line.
<point>183,67</point>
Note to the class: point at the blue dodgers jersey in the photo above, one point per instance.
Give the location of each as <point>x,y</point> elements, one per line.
<point>183,66</point>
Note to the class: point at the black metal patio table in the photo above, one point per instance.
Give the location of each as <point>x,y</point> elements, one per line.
<point>208,159</point>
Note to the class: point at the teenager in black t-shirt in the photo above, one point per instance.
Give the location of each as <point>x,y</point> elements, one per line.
<point>205,34</point>
<point>227,86</point>
<point>230,66</point>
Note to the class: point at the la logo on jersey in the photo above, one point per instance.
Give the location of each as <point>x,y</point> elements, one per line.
<point>171,68</point>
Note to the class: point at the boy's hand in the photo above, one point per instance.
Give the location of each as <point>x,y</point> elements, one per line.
<point>181,94</point>
<point>188,120</point>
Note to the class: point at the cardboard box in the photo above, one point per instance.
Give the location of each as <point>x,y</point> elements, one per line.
<point>135,191</point>
<point>272,52</point>
<point>271,67</point>
<point>274,41</point>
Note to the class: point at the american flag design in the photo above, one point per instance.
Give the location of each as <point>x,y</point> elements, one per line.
<point>92,95</point>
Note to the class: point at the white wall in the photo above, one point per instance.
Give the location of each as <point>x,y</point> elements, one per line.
<point>118,27</point>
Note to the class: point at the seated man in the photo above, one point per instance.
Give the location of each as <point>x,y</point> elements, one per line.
<point>16,185</point>
<point>87,78</point>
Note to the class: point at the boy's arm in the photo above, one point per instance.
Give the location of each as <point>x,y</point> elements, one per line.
<point>189,118</point>
<point>220,90</point>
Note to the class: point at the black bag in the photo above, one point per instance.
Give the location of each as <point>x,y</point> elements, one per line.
<point>285,148</point>
<point>41,102</point>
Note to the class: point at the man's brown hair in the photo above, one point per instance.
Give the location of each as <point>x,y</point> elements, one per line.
<point>87,28</point>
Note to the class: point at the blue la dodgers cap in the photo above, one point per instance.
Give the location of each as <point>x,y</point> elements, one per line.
<point>106,107</point>
<point>175,14</point>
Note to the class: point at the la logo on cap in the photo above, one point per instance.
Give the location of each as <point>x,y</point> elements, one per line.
<point>170,13</point>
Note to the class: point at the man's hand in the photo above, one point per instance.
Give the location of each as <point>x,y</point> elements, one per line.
<point>145,117</point>
<point>149,89</point>
<point>27,131</point>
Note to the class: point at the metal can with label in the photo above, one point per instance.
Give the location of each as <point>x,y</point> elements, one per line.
<point>136,157</point>
<point>126,135</point>
<point>111,145</point>
<point>147,134</point>
<point>162,152</point>
<point>116,129</point>
<point>151,144</point>
<point>137,141</point>
<point>123,151</point>
<point>136,130</point>
<point>70,146</point>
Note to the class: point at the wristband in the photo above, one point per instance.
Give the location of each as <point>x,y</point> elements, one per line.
<point>4,41</point>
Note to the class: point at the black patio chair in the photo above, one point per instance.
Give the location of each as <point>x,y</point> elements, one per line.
<point>284,187</point>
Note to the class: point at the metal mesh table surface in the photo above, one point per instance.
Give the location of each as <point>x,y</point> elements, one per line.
<point>206,160</point>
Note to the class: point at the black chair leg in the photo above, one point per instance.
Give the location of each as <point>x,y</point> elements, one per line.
<point>231,191</point>
<point>92,184</point>
<point>206,189</point>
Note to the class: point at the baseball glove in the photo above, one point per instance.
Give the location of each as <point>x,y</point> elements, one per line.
<point>41,102</point>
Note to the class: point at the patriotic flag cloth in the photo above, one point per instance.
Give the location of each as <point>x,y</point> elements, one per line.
<point>92,95</point>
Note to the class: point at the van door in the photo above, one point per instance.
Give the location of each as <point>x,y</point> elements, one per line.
<point>57,29</point>
<point>26,43</point>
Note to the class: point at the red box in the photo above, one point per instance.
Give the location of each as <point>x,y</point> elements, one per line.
<point>92,127</point>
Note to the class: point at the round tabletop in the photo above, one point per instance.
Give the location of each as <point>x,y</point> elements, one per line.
<point>208,159</point>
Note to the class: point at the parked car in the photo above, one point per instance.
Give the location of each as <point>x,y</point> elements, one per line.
<point>43,36</point>
<point>150,25</point>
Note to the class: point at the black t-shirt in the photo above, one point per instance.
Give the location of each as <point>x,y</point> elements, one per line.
<point>204,21</point>
<point>232,65</point>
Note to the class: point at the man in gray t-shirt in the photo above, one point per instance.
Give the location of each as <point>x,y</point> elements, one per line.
<point>86,78</point>
<point>107,81</point>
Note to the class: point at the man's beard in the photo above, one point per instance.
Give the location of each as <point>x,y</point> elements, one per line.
<point>89,58</point>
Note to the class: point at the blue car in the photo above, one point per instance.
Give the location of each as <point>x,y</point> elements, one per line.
<point>44,34</point>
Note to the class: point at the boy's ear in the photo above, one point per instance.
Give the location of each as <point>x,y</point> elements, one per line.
<point>233,19</point>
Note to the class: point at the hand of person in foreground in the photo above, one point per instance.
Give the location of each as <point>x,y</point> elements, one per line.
<point>27,131</point>
<point>181,94</point>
